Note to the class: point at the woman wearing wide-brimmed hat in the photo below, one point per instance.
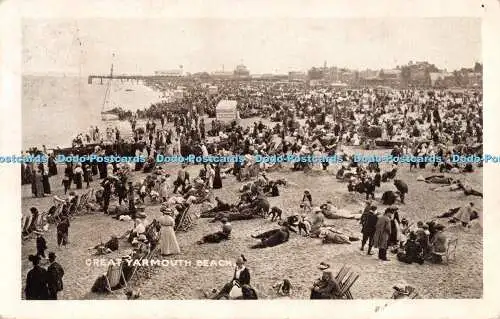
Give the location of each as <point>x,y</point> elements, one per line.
<point>168,242</point>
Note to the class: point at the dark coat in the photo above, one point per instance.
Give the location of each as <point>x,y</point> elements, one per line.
<point>244,278</point>
<point>37,284</point>
<point>41,244</point>
<point>276,239</point>
<point>382,232</point>
<point>55,274</point>
<point>388,198</point>
<point>401,186</point>
<point>369,223</point>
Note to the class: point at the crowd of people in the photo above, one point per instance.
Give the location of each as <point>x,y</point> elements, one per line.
<point>323,121</point>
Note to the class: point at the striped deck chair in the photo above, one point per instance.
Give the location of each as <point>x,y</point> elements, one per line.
<point>84,200</point>
<point>346,279</point>
<point>147,269</point>
<point>185,221</point>
<point>55,215</point>
<point>115,277</point>
<point>451,249</point>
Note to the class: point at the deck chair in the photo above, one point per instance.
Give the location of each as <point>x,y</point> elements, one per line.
<point>114,277</point>
<point>451,249</point>
<point>84,200</point>
<point>81,202</point>
<point>346,279</point>
<point>148,269</point>
<point>181,225</point>
<point>56,216</point>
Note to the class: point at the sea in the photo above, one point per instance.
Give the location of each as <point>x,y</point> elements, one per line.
<point>57,108</point>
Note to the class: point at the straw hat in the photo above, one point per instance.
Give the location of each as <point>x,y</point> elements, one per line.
<point>323,266</point>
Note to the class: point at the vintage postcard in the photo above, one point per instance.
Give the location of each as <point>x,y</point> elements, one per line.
<point>198,154</point>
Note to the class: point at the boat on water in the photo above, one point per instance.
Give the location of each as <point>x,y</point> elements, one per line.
<point>108,115</point>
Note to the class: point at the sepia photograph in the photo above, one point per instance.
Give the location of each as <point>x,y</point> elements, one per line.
<point>172,159</point>
<point>252,159</point>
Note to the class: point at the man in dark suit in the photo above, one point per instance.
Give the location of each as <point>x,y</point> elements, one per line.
<point>55,274</point>
<point>368,222</point>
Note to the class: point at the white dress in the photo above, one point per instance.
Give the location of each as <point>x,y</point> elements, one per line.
<point>168,241</point>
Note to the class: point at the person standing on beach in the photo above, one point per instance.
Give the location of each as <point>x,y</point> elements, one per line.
<point>77,175</point>
<point>45,178</point>
<point>131,201</point>
<point>36,281</point>
<point>62,232</point>
<point>106,195</point>
<point>168,242</point>
<point>382,234</point>
<point>369,223</point>
<point>68,176</point>
<point>55,273</point>
<point>217,182</point>
<point>41,245</point>
<point>37,185</point>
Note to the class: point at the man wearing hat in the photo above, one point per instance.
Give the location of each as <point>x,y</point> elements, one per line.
<point>182,179</point>
<point>326,287</point>
<point>382,233</point>
<point>55,273</point>
<point>131,201</point>
<point>369,223</point>
<point>41,244</point>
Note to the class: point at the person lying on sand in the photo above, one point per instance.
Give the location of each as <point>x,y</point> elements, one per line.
<point>273,237</point>
<point>439,179</point>
<point>221,206</point>
<point>219,236</point>
<point>331,235</point>
<point>332,212</point>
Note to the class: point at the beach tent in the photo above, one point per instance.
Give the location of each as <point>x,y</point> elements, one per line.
<point>212,89</point>
<point>338,85</point>
<point>178,94</point>
<point>226,110</point>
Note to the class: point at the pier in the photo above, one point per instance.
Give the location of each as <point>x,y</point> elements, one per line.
<point>100,79</point>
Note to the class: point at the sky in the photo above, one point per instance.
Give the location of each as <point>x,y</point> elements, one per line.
<point>143,46</point>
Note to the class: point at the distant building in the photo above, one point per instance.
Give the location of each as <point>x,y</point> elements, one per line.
<point>297,76</point>
<point>475,79</point>
<point>222,74</point>
<point>390,77</point>
<point>365,74</point>
<point>241,71</point>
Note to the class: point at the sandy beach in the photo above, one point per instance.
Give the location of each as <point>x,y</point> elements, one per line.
<point>297,260</point>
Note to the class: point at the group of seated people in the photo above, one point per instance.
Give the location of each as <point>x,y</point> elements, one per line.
<point>425,242</point>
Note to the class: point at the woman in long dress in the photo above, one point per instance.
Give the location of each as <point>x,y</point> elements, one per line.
<point>38,184</point>
<point>45,179</point>
<point>78,175</point>
<point>163,188</point>
<point>168,241</point>
<point>217,183</point>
